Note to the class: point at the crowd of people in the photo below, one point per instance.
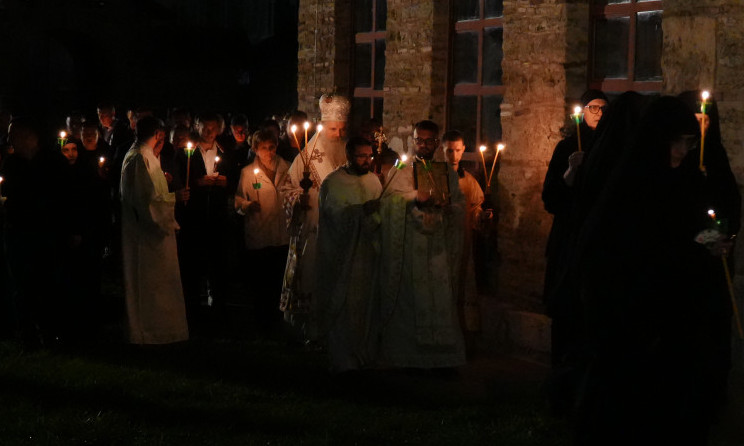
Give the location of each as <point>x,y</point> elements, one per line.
<point>339,238</point>
<point>636,279</point>
<point>369,254</point>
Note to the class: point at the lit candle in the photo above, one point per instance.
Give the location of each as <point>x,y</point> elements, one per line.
<point>482,150</point>
<point>703,108</point>
<point>712,214</point>
<point>189,152</point>
<point>293,129</point>
<point>499,148</point>
<point>62,140</point>
<point>256,184</point>
<point>1,186</point>
<point>306,126</point>
<point>400,164</point>
<point>577,115</point>
<point>101,161</point>
<point>216,160</point>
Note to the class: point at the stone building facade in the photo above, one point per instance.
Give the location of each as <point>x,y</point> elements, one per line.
<point>545,60</point>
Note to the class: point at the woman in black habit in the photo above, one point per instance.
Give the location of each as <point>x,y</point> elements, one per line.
<point>613,136</point>
<point>558,197</point>
<point>646,288</point>
<point>720,193</point>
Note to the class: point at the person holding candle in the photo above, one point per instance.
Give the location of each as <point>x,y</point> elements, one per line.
<point>649,294</point>
<point>259,201</point>
<point>720,192</point>
<point>421,208</point>
<point>475,219</point>
<point>348,234</point>
<point>204,225</point>
<point>558,196</point>
<point>323,154</point>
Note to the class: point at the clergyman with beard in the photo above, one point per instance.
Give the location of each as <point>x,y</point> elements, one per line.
<point>420,260</point>
<point>348,237</point>
<point>322,155</point>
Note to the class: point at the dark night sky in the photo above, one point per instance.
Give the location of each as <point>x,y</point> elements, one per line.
<point>219,55</point>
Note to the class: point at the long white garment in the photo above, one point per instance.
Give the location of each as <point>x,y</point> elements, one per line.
<point>348,245</point>
<point>299,275</point>
<point>420,260</point>
<point>154,299</point>
<point>268,226</point>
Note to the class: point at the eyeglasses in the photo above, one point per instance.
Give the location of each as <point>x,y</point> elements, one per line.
<point>369,157</point>
<point>594,109</point>
<point>427,141</point>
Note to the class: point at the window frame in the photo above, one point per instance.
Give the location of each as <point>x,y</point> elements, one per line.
<point>369,37</point>
<point>630,10</point>
<point>476,89</point>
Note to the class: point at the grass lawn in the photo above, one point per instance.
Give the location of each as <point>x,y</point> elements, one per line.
<point>243,392</point>
<point>259,392</point>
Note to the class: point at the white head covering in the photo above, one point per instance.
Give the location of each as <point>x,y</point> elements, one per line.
<point>334,108</point>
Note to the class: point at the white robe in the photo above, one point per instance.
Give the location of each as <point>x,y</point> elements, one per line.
<point>420,260</point>
<point>348,245</point>
<point>268,226</point>
<point>299,275</point>
<point>152,281</point>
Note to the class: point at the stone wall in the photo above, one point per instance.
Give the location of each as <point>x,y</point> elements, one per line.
<point>544,69</point>
<point>324,55</point>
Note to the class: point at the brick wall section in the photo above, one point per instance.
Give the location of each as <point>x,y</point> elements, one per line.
<point>324,55</point>
<point>544,62</point>
<point>408,68</point>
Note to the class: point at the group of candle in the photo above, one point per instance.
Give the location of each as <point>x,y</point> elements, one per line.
<point>307,157</point>
<point>488,176</point>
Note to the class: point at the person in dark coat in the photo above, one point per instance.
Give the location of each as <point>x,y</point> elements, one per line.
<point>558,197</point>
<point>645,291</point>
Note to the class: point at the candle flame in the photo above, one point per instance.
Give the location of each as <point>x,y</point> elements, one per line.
<point>293,128</point>
<point>216,159</point>
<point>705,95</point>
<point>404,158</point>
<point>711,212</point>
<point>255,171</point>
<point>62,134</point>
<point>189,146</point>
<point>319,127</point>
<point>577,110</point>
<point>306,125</point>
<point>500,147</point>
<point>482,148</point>
<point>101,160</point>
<point>1,179</point>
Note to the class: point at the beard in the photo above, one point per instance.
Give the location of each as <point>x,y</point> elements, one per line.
<point>359,170</point>
<point>334,148</point>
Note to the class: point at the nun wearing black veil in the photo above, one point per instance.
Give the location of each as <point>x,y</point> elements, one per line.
<point>644,288</point>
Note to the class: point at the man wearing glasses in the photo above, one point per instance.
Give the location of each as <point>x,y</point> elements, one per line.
<point>422,207</point>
